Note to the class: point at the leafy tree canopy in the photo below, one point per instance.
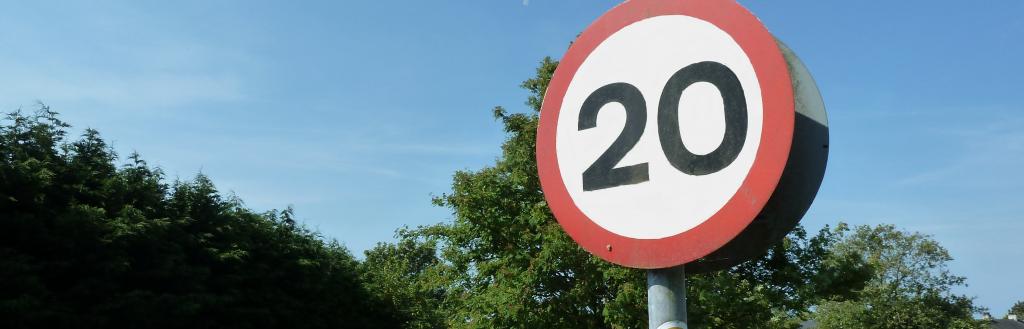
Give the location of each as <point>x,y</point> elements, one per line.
<point>1018,310</point>
<point>910,286</point>
<point>87,243</point>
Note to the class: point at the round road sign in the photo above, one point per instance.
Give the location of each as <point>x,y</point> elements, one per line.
<point>665,131</point>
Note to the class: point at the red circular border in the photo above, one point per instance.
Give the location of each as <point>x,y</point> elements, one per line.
<point>776,137</point>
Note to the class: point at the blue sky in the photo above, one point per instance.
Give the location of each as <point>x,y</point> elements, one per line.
<point>356,112</point>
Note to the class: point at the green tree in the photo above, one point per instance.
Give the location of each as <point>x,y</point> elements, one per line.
<point>405,274</point>
<point>778,289</point>
<point>910,286</point>
<point>504,262</point>
<point>1018,310</point>
<point>86,243</point>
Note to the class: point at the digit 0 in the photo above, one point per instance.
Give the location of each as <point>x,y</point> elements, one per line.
<point>735,104</point>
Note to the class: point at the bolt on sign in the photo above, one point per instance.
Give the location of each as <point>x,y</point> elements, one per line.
<point>680,132</point>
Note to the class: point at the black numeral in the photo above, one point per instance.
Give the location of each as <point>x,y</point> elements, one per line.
<point>603,174</point>
<point>735,104</point>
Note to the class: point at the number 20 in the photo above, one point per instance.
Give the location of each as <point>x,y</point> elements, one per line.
<point>603,174</point>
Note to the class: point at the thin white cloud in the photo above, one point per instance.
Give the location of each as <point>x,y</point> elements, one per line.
<point>439,148</point>
<point>130,91</point>
<point>114,57</point>
<point>986,155</point>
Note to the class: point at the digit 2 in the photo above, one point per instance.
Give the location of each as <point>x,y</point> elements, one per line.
<point>602,173</point>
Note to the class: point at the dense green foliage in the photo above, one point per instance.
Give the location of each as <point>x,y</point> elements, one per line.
<point>404,273</point>
<point>910,287</point>
<point>87,244</point>
<point>1018,310</point>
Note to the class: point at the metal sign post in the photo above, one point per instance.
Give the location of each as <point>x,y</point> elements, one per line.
<point>666,298</point>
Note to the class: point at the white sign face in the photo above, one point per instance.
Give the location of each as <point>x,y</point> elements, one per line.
<point>646,170</point>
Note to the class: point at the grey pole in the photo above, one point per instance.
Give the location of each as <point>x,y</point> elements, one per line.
<point>666,298</point>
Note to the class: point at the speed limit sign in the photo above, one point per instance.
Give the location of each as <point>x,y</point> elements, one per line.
<point>670,127</point>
